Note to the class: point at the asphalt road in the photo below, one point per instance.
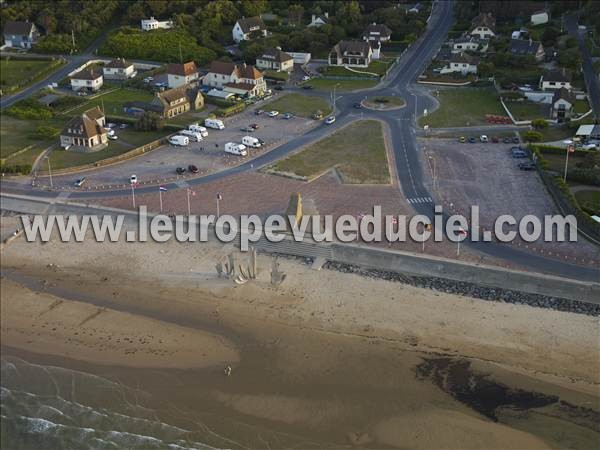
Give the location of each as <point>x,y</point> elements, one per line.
<point>401,81</point>
<point>591,77</point>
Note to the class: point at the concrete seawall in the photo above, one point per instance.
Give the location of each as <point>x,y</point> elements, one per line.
<point>369,258</point>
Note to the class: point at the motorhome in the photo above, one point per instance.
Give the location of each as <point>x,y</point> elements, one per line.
<point>198,129</point>
<point>235,149</point>
<point>181,141</point>
<point>194,136</point>
<point>214,123</point>
<point>250,141</point>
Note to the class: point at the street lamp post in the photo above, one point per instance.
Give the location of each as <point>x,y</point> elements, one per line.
<point>49,170</point>
<point>570,149</point>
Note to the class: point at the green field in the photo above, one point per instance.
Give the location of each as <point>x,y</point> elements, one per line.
<point>343,85</point>
<point>589,200</point>
<point>17,134</point>
<point>18,73</point>
<point>460,107</point>
<point>138,138</point>
<point>581,106</point>
<point>525,110</point>
<point>61,159</point>
<point>113,101</point>
<point>357,152</point>
<point>299,105</point>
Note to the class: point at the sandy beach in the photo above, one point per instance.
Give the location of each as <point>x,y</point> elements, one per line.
<point>325,360</point>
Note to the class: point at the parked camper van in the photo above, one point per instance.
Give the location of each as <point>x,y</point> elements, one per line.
<point>194,136</point>
<point>198,129</point>
<point>250,141</point>
<point>235,149</point>
<point>182,141</point>
<point>214,123</point>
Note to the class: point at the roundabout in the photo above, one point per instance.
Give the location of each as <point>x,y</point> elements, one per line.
<point>384,103</point>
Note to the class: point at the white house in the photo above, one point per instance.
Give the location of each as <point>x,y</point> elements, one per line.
<point>20,34</point>
<point>119,69</point>
<point>87,80</point>
<point>351,53</point>
<point>241,79</point>
<point>377,32</point>
<point>153,24</point>
<point>540,17</point>
<point>318,21</point>
<point>249,28</point>
<point>484,26</point>
<point>181,74</point>
<point>462,63</point>
<point>555,79</point>
<point>85,132</point>
<point>275,59</point>
<point>562,104</point>
<point>469,43</point>
<point>300,58</point>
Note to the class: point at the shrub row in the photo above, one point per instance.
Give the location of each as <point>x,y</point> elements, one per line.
<point>22,169</point>
<point>226,112</point>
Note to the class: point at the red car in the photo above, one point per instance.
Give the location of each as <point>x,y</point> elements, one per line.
<point>254,125</point>
<point>193,168</point>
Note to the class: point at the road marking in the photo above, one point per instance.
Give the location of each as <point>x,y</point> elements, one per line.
<point>62,196</point>
<point>420,200</point>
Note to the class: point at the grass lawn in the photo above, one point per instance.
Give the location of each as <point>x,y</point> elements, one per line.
<point>17,134</point>
<point>377,67</point>
<point>461,107</point>
<point>344,85</point>
<point>525,110</point>
<point>15,73</point>
<point>590,200</point>
<point>60,159</point>
<point>113,101</point>
<point>357,151</point>
<point>138,138</point>
<point>581,106</point>
<point>299,105</point>
<point>556,161</point>
<point>556,133</point>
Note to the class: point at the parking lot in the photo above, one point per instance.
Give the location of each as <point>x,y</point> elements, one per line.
<point>160,165</point>
<point>488,176</point>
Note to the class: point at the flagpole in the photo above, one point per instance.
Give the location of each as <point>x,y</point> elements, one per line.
<point>218,215</point>
<point>133,194</point>
<point>188,202</point>
<point>160,198</point>
<point>458,248</point>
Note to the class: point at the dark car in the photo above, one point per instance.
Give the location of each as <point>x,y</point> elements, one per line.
<point>180,170</point>
<point>495,139</point>
<point>261,141</point>
<point>518,153</point>
<point>506,140</point>
<point>358,106</point>
<point>516,140</point>
<point>79,182</point>
<point>254,126</point>
<point>307,87</point>
<point>192,168</point>
<point>472,140</point>
<point>279,88</point>
<point>247,129</point>
<point>258,112</point>
<point>527,165</point>
<point>287,116</point>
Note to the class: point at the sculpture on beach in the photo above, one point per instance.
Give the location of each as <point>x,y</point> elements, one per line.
<point>228,267</point>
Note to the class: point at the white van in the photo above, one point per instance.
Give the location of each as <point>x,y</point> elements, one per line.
<point>235,149</point>
<point>214,123</point>
<point>182,141</point>
<point>198,129</point>
<point>194,137</point>
<point>250,141</point>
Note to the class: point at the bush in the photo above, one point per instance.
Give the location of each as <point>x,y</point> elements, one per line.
<point>513,95</point>
<point>226,112</point>
<point>18,169</point>
<point>55,43</point>
<point>539,124</point>
<point>585,176</point>
<point>533,136</point>
<point>45,131</point>
<point>220,102</point>
<point>30,109</point>
<point>156,45</point>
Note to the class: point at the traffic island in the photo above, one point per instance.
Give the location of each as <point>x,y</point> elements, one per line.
<point>384,102</point>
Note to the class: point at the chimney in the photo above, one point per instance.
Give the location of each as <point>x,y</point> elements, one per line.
<point>530,42</point>
<point>327,15</point>
<point>313,18</point>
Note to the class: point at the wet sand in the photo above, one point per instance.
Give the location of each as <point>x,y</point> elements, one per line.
<point>327,360</point>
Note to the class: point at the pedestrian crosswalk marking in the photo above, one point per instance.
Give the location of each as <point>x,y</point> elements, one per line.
<point>421,200</point>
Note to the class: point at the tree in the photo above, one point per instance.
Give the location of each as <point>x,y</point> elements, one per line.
<point>570,58</point>
<point>149,121</point>
<point>533,136</point>
<point>295,14</point>
<point>251,8</point>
